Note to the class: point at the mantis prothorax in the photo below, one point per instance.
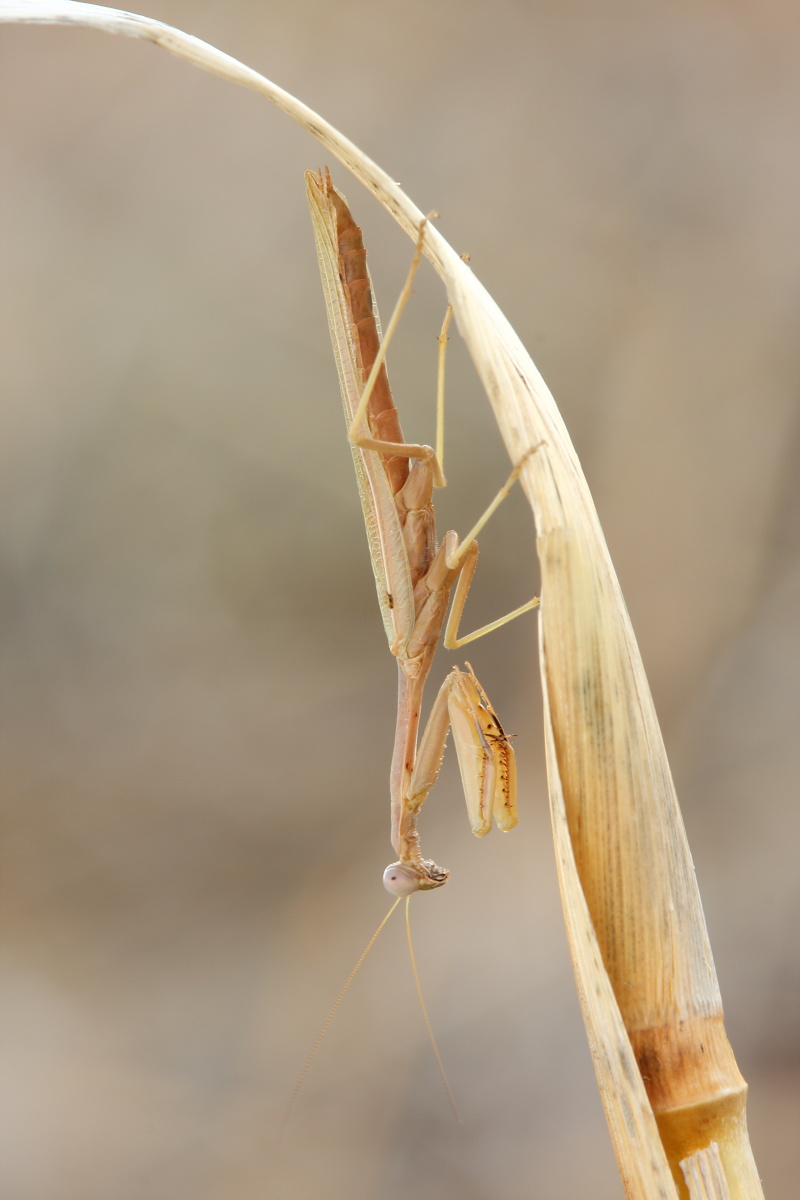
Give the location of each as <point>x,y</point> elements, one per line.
<point>413,576</point>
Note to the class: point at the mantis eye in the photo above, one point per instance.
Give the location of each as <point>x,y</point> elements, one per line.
<point>401,880</point>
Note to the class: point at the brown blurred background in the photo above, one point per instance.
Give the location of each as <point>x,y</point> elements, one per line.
<point>198,700</point>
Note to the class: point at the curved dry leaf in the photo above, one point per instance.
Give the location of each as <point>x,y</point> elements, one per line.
<point>634,919</point>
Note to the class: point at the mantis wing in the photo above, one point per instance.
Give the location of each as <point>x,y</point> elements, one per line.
<point>384,532</point>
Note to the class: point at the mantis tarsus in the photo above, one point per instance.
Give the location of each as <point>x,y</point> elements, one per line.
<point>414,577</point>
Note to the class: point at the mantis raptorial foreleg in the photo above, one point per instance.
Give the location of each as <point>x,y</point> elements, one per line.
<point>486,761</point>
<point>413,578</point>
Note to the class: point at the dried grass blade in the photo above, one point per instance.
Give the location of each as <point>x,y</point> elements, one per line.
<point>640,1156</point>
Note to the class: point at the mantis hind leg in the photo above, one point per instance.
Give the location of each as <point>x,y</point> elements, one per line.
<point>466,555</point>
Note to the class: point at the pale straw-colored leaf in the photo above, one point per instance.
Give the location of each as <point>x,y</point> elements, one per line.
<point>634,1133</point>
<point>637,933</point>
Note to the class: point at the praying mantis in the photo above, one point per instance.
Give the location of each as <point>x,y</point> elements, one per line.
<point>414,577</point>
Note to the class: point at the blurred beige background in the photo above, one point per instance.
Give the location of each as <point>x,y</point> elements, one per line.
<point>197,696</point>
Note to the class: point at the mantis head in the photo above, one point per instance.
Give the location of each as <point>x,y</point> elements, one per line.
<point>403,878</point>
